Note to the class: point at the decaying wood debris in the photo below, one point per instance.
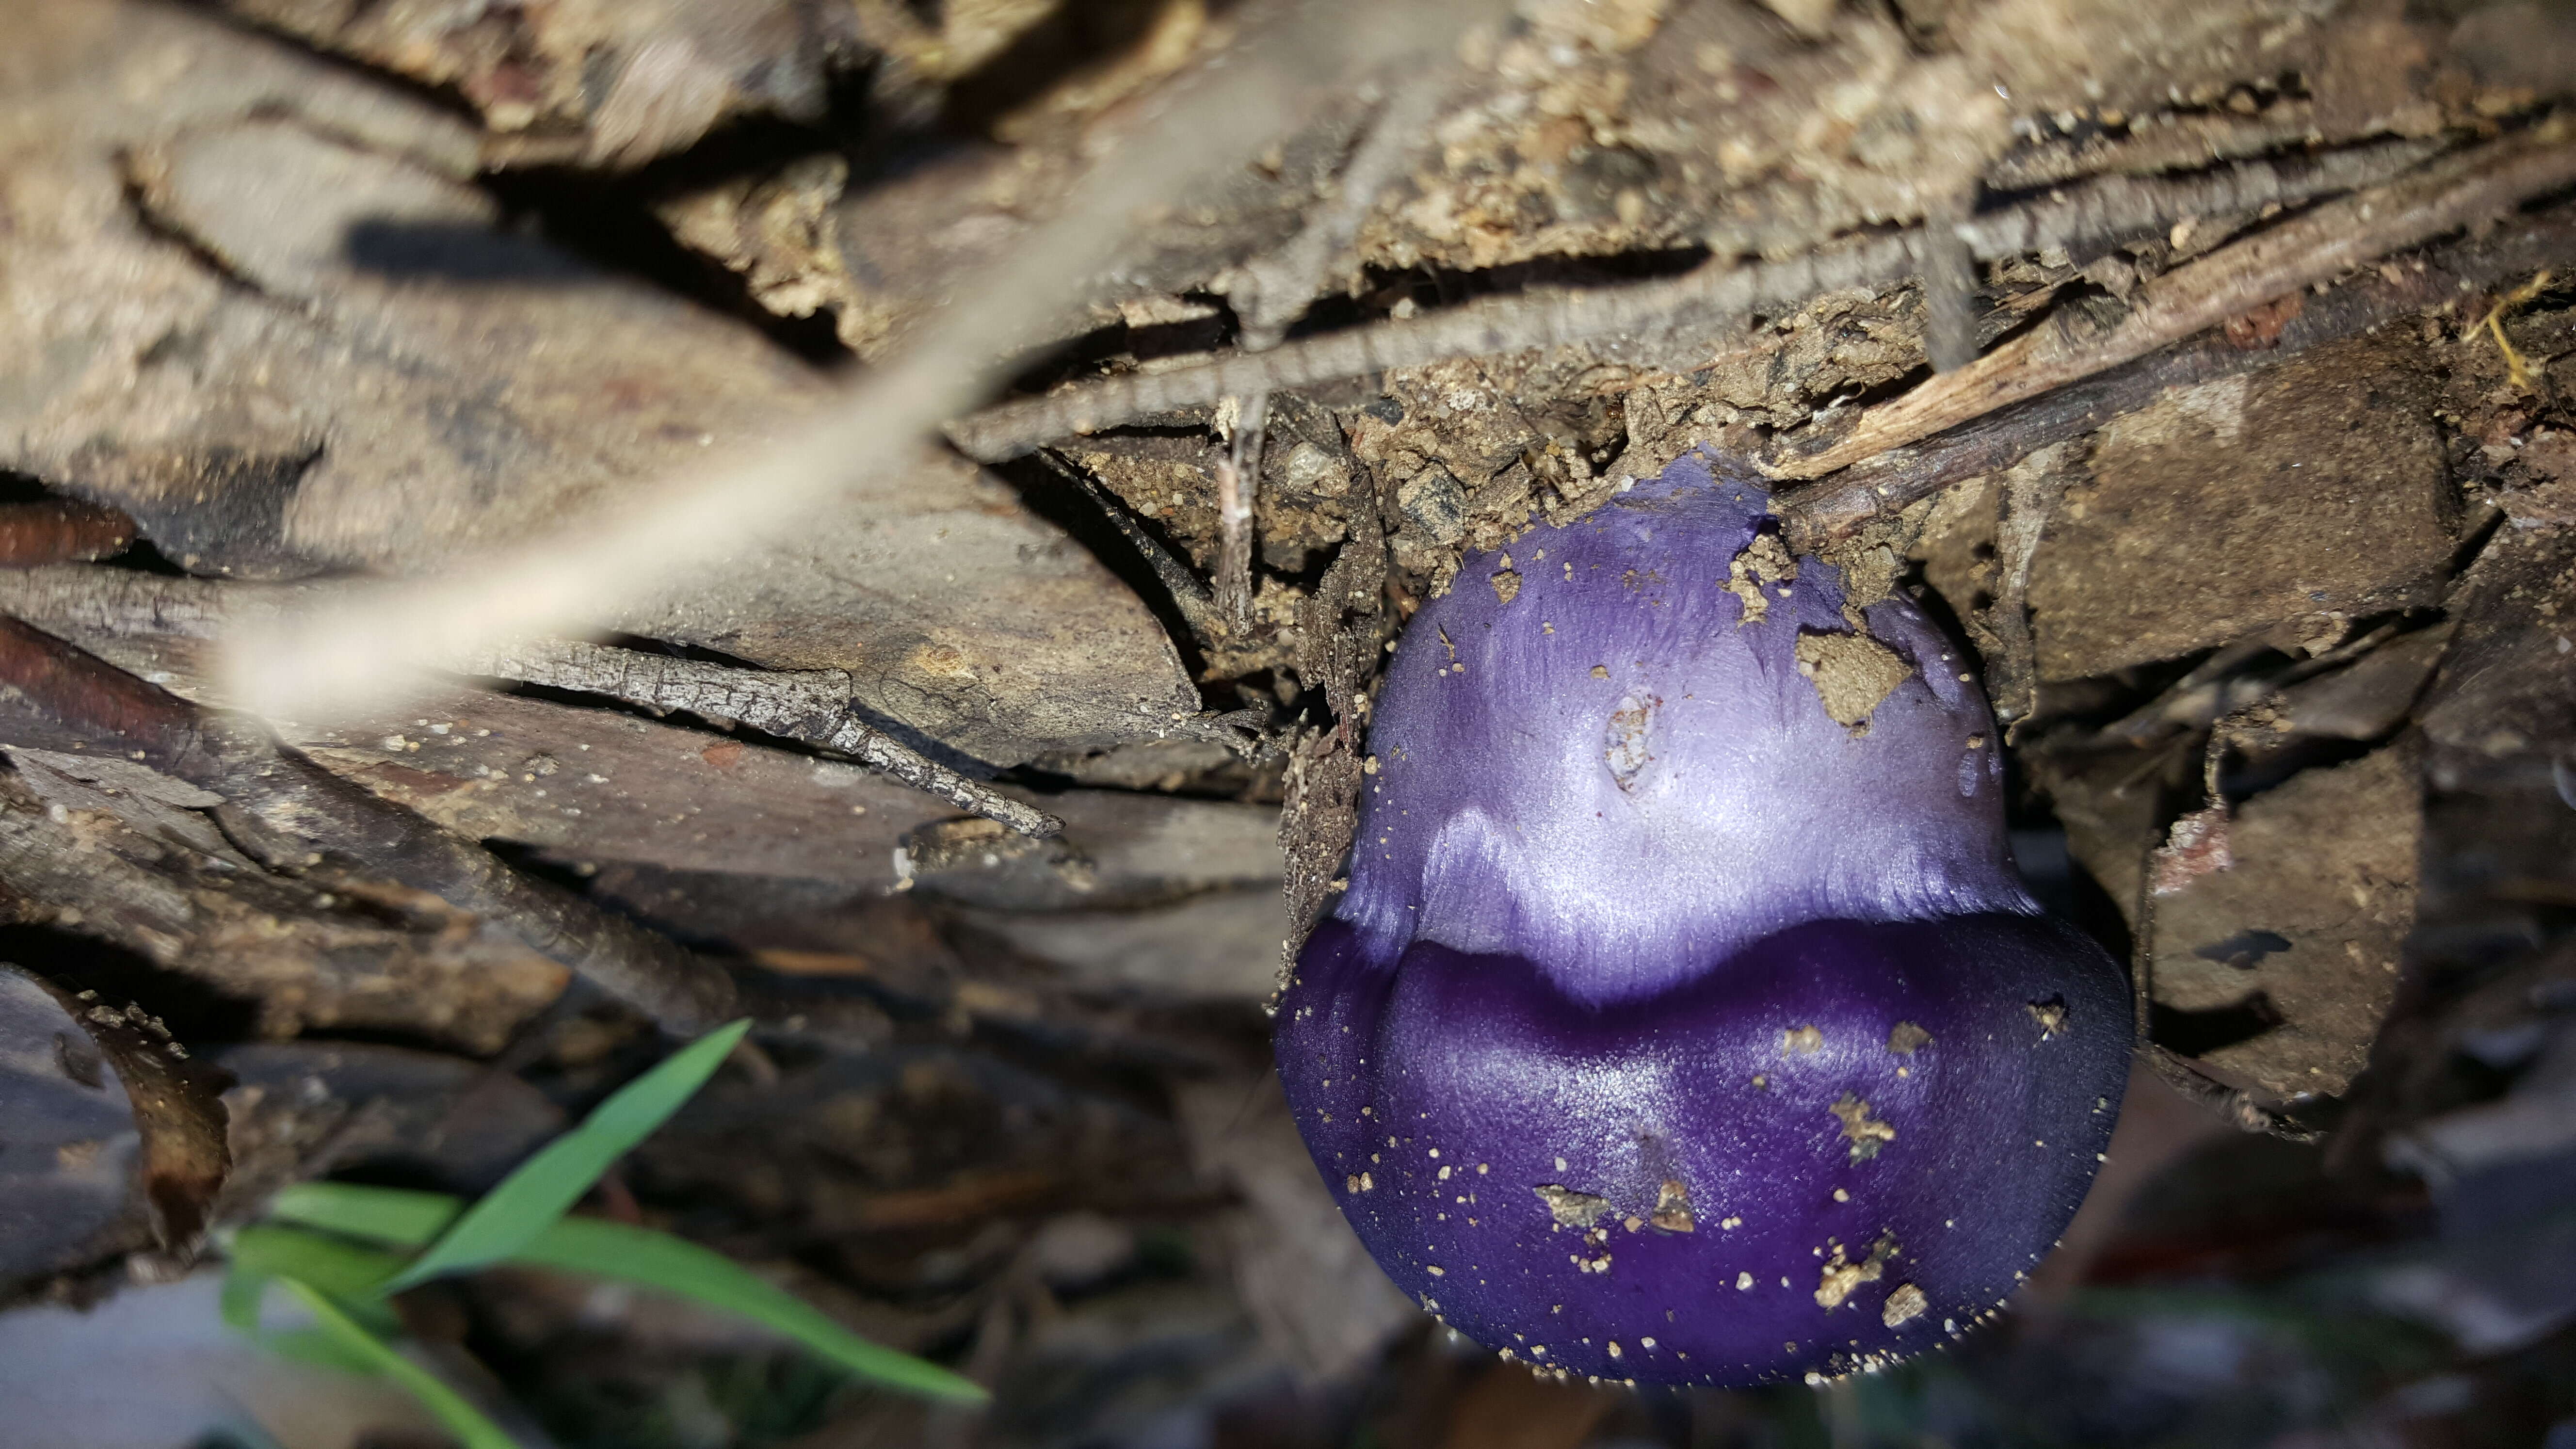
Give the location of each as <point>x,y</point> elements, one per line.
<point>524,529</point>
<point>284,806</point>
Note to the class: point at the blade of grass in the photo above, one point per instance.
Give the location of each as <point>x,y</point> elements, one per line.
<point>674,1265</point>
<point>547,1185</point>
<point>239,1303</point>
<point>316,1347</point>
<point>451,1410</point>
<point>641,1256</point>
<point>240,1309</point>
<point>346,1271</point>
<point>396,1217</point>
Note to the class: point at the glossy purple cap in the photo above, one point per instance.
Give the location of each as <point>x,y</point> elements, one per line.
<point>1685,1019</point>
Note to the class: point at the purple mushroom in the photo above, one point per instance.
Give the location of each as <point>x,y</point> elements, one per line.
<point>1685,1020</point>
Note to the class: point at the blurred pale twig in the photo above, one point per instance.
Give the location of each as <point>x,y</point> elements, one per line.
<point>371,648</point>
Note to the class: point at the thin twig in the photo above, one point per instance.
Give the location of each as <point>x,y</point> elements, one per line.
<point>2246,274</point>
<point>1238,489</point>
<point>812,705</point>
<point>2239,1107</point>
<point>1949,286</point>
<point>1887,484</point>
<point>371,650</point>
<point>58,697</point>
<point>2177,143</point>
<point>817,706</point>
<point>2226,683</point>
<point>1696,304</point>
<point>1274,290</point>
<point>1189,596</point>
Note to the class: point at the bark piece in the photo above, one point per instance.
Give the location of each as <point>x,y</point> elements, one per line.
<point>403,381</point>
<point>179,1114</point>
<point>355,366</point>
<point>813,706</point>
<point>2312,914</point>
<point>304,1109</point>
<point>2502,710</point>
<point>589,785</point>
<point>320,950</point>
<point>2369,698</point>
<point>288,811</point>
<point>957,611</point>
<point>1118,851</point>
<point>597,785</point>
<point>2318,488</point>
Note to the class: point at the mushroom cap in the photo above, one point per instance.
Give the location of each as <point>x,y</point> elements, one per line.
<point>1608,717</point>
<point>1685,1020</point>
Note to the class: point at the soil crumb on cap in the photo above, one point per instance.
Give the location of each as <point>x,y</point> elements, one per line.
<point>1507,586</point>
<point>1906,1039</point>
<point>1903,1306</point>
<point>1840,1277</point>
<point>1623,744</point>
<point>1867,1134</point>
<point>1673,1208</point>
<point>2050,1014</point>
<point>1571,1209</point>
<point>1804,1040</point>
<point>1763,561</point>
<point>1852,673</point>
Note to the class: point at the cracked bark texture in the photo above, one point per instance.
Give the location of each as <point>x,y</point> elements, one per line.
<point>285,340</point>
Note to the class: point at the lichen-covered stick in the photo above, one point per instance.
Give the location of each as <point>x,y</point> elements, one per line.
<point>1685,1020</point>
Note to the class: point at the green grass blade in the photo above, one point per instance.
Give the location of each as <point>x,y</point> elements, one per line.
<point>544,1187</point>
<point>260,1255</point>
<point>674,1265</point>
<point>401,1219</point>
<point>246,1286</point>
<point>343,1270</point>
<point>239,1305</point>
<point>315,1346</point>
<point>460,1418</point>
<point>393,1216</point>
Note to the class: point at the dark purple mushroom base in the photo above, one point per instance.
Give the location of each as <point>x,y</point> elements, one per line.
<point>1685,1020</point>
